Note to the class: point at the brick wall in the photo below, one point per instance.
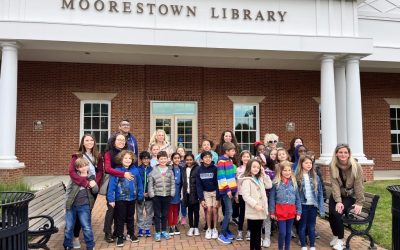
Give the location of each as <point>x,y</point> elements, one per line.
<point>45,93</point>
<point>11,175</point>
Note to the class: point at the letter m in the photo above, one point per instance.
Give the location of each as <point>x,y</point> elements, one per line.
<point>68,4</point>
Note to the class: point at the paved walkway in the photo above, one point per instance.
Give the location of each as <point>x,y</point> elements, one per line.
<point>386,174</point>
<point>198,242</point>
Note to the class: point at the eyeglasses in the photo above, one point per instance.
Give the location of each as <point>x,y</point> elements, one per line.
<point>122,140</point>
<point>302,151</point>
<point>274,141</point>
<point>125,125</point>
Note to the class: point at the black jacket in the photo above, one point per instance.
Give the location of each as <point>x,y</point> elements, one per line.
<point>193,198</point>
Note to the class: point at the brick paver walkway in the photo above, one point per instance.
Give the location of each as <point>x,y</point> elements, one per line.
<point>198,242</point>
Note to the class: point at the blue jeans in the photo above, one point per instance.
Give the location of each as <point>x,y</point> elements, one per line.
<point>85,218</point>
<point>285,233</point>
<point>307,222</point>
<point>227,214</point>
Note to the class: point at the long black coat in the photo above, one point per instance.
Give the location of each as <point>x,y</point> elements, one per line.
<point>193,198</point>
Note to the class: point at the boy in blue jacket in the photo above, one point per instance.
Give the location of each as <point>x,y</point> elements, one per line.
<point>207,191</point>
<point>122,194</point>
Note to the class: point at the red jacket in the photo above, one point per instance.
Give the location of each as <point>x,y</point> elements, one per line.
<point>82,181</point>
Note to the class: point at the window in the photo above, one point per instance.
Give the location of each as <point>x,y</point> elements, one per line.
<point>246,124</point>
<point>95,119</point>
<point>395,129</point>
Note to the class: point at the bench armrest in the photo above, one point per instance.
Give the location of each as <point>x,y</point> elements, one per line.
<point>46,228</point>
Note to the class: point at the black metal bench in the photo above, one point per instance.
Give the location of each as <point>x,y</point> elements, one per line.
<point>46,215</point>
<point>350,219</point>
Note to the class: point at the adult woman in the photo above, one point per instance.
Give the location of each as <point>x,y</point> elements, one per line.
<point>88,150</point>
<point>115,144</point>
<point>228,136</point>
<point>347,191</point>
<point>293,143</point>
<point>270,142</point>
<point>159,137</point>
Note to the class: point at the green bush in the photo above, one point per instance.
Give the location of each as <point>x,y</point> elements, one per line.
<point>19,186</point>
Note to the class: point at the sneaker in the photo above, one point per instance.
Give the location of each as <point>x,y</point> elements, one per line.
<point>108,238</point>
<point>333,241</point>
<point>183,220</point>
<point>239,236</point>
<point>190,232</point>
<point>171,231</point>
<point>304,248</point>
<point>338,245</point>
<point>140,233</point>
<point>312,248</point>
<point>248,235</point>
<point>223,239</point>
<point>120,242</point>
<point>76,243</point>
<point>147,234</point>
<point>157,237</point>
<point>214,234</point>
<point>208,234</point>
<point>165,235</point>
<point>229,235</point>
<point>176,229</point>
<point>196,231</point>
<point>132,238</point>
<point>266,242</point>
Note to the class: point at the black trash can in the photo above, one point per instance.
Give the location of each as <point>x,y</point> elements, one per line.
<point>14,220</point>
<point>395,191</point>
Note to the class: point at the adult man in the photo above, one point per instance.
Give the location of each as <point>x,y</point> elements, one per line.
<point>124,128</point>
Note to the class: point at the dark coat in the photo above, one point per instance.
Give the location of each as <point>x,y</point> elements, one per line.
<point>193,198</point>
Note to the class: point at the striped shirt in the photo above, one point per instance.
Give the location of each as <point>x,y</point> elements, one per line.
<point>226,173</point>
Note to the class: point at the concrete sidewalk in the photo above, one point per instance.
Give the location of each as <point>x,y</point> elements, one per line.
<point>40,182</point>
<point>386,174</point>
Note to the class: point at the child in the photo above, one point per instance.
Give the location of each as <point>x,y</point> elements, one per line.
<point>182,152</point>
<point>154,149</point>
<point>122,195</point>
<point>311,196</point>
<point>161,189</point>
<point>227,188</point>
<point>207,191</point>
<point>244,158</point>
<point>207,145</point>
<point>190,198</point>
<point>145,220</point>
<point>284,203</point>
<point>260,152</point>
<point>270,171</point>
<point>79,203</point>
<point>299,151</point>
<point>282,155</point>
<point>173,210</point>
<point>254,183</point>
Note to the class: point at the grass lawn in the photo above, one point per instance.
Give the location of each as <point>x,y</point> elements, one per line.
<point>382,227</point>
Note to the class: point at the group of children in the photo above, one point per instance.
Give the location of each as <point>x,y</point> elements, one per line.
<point>264,187</point>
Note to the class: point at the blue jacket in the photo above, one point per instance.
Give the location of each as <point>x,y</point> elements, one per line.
<point>122,189</point>
<point>144,173</point>
<point>318,196</point>
<point>206,180</point>
<point>133,146</point>
<point>178,184</point>
<point>284,194</point>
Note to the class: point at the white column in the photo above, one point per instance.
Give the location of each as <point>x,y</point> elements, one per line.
<point>328,108</point>
<point>8,105</point>
<point>340,94</point>
<point>354,110</point>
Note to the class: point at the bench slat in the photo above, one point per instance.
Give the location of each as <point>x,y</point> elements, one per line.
<point>46,194</point>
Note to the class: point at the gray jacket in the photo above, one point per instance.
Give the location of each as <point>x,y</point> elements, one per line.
<point>161,185</point>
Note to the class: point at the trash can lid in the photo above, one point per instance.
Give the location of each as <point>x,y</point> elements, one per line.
<point>394,189</point>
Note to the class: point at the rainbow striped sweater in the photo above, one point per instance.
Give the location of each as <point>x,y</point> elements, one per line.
<point>226,173</point>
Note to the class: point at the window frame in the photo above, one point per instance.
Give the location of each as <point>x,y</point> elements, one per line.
<point>257,105</point>
<point>397,132</point>
<point>82,116</point>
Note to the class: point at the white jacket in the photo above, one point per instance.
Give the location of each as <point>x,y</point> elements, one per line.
<point>254,194</point>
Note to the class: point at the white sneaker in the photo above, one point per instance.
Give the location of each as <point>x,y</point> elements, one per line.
<point>208,234</point>
<point>196,231</point>
<point>248,235</point>
<point>266,242</point>
<point>304,248</point>
<point>312,248</point>
<point>76,243</point>
<point>333,241</point>
<point>214,234</point>
<point>239,236</point>
<point>338,245</point>
<point>190,232</point>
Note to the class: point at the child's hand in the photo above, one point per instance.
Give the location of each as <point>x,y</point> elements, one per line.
<point>217,204</point>
<point>229,194</point>
<point>298,217</point>
<point>128,176</point>
<point>259,208</point>
<point>146,195</point>
<point>112,204</point>
<point>92,183</point>
<point>203,204</point>
<point>237,199</point>
<point>273,216</point>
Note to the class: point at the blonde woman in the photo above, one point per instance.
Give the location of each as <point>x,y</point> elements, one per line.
<point>160,138</point>
<point>347,191</point>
